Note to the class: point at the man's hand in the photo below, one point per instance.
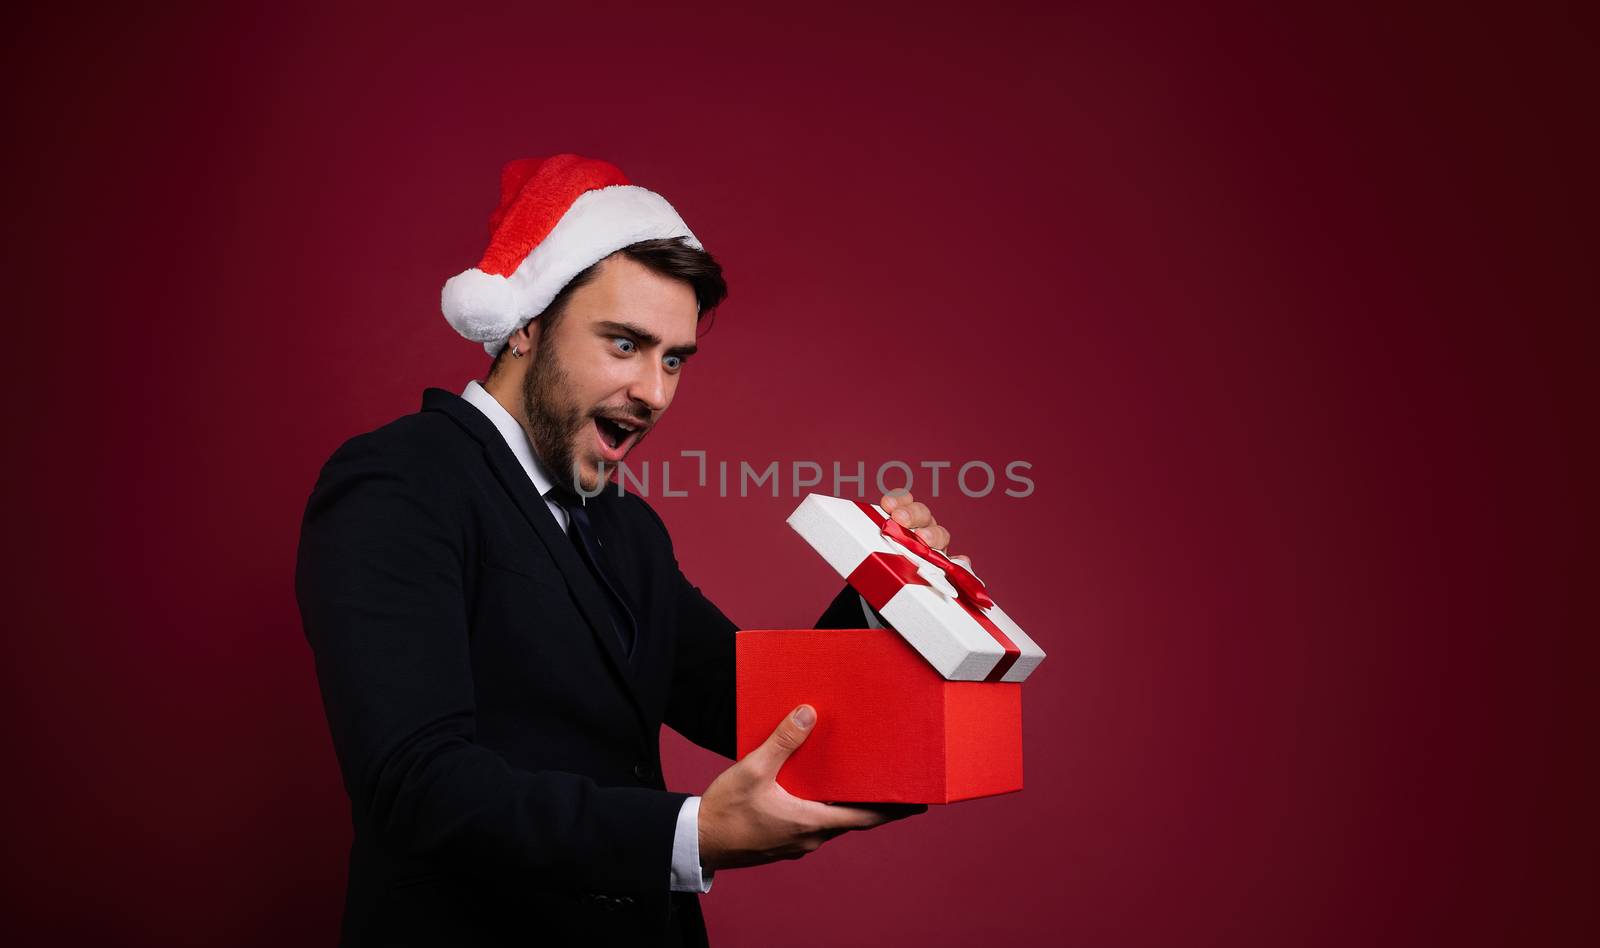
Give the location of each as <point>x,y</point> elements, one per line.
<point>917,517</point>
<point>746,819</point>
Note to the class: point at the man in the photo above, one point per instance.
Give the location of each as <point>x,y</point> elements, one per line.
<point>497,649</point>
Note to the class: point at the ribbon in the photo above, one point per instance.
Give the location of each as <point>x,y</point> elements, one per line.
<point>881,575</point>
<point>878,577</point>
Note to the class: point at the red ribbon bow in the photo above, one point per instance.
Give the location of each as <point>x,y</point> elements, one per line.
<point>968,586</point>
<point>878,580</point>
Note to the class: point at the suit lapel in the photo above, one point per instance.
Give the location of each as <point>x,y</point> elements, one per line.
<point>585,590</point>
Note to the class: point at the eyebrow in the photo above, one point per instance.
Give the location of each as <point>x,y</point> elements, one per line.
<point>645,337</point>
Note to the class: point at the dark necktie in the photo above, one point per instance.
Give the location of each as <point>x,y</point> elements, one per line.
<point>581,533</point>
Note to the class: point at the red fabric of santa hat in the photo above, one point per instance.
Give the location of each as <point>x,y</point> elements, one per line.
<point>557,217</point>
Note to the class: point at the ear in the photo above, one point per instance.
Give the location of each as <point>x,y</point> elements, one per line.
<point>524,340</point>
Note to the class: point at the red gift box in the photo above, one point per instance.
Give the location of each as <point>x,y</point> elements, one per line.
<point>890,728</point>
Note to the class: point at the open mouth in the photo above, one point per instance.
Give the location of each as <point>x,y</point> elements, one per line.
<point>616,435</point>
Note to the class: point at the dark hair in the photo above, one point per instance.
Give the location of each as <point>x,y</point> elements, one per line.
<point>668,256</point>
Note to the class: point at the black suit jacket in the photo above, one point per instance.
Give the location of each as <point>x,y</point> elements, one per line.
<point>500,751</point>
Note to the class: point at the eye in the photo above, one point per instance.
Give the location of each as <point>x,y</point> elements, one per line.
<point>623,344</point>
<point>673,363</point>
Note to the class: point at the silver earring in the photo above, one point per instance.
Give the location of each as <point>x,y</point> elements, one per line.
<point>516,352</point>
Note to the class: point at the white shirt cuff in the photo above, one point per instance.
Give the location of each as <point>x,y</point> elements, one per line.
<point>872,617</point>
<point>687,876</point>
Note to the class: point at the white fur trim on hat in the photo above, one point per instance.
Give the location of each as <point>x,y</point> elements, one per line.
<point>488,308</point>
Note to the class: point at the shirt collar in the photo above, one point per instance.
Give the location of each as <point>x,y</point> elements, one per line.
<point>512,431</point>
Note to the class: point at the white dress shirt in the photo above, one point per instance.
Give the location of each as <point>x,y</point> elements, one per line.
<point>686,874</point>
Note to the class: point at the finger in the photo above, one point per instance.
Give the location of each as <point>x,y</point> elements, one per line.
<point>913,515</point>
<point>964,558</point>
<point>895,498</point>
<point>788,737</point>
<point>935,536</point>
<point>896,811</point>
<point>826,816</point>
<point>889,811</point>
<point>899,811</point>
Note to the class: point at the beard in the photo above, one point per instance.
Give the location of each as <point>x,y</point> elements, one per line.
<point>561,428</point>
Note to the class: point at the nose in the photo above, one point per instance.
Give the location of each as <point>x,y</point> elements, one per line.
<point>652,387</point>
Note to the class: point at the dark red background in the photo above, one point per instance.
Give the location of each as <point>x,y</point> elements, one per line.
<point>1290,312</point>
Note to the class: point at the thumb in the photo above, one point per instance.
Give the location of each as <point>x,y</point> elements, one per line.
<point>784,741</point>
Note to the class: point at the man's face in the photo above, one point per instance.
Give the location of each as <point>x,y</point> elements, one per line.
<point>608,370</point>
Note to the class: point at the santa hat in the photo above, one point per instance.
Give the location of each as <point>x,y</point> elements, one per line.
<point>557,217</point>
